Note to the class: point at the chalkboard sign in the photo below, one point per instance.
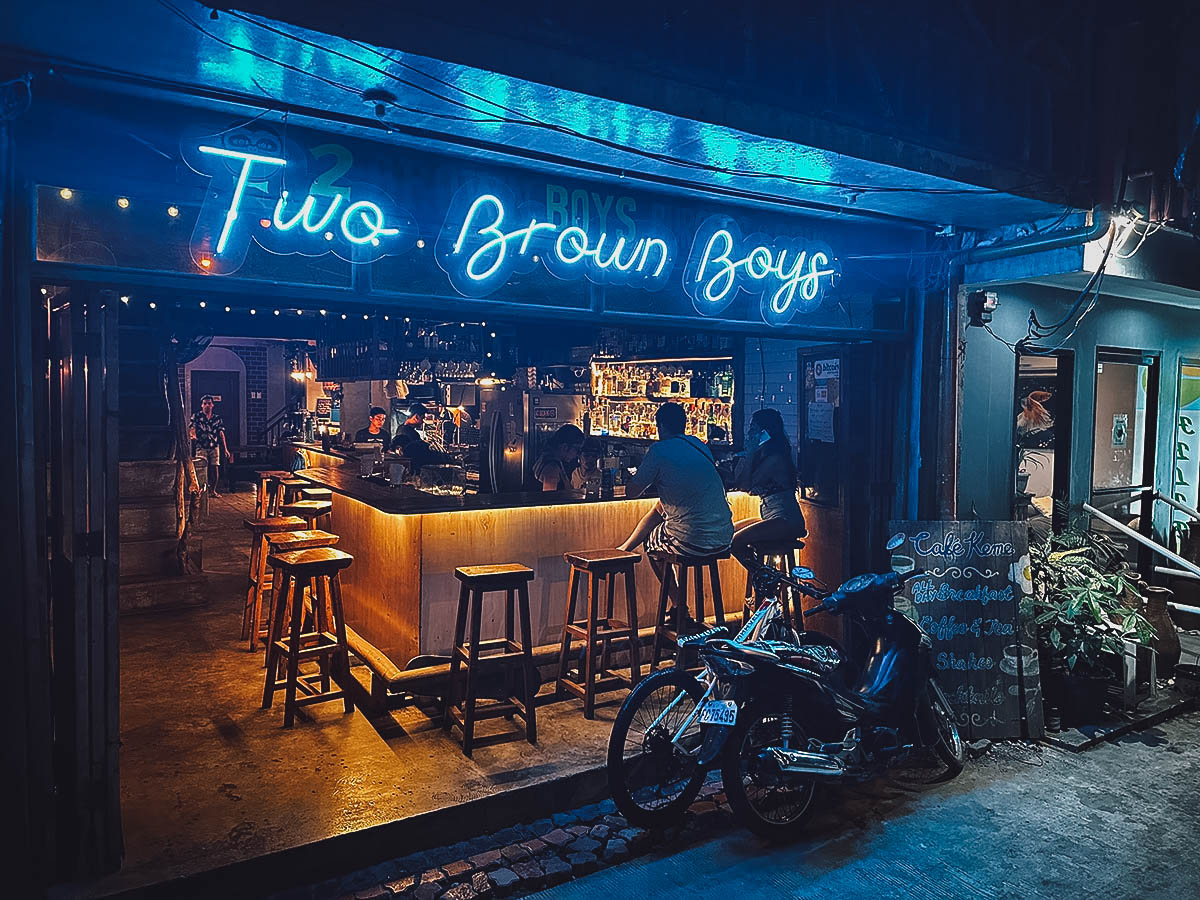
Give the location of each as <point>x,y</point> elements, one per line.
<point>969,602</point>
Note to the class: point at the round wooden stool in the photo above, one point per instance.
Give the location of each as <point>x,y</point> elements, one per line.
<point>784,556</point>
<point>259,529</point>
<point>289,644</point>
<point>476,582</point>
<point>600,568</point>
<point>676,583</point>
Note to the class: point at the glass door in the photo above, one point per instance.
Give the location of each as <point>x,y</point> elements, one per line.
<point>1042,426</point>
<point>1123,435</point>
<point>1185,477</point>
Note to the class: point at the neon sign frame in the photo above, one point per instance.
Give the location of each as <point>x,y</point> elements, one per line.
<point>790,275</point>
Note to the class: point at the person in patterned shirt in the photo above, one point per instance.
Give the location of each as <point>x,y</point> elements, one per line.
<point>208,437</point>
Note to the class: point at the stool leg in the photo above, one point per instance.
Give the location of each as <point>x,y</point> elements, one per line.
<point>321,625</point>
<point>246,613</point>
<point>659,636</point>
<point>460,627</point>
<point>698,582</point>
<point>510,597</point>
<point>681,607</point>
<point>589,649</point>
<point>277,616</point>
<point>605,660</point>
<point>342,654</point>
<point>527,653</point>
<point>257,589</point>
<point>472,664</point>
<point>635,653</point>
<point>714,578</point>
<point>564,653</point>
<point>293,656</point>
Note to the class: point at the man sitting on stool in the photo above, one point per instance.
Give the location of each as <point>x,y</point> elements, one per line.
<point>692,516</point>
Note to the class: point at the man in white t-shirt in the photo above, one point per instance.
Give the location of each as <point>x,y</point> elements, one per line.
<point>692,515</point>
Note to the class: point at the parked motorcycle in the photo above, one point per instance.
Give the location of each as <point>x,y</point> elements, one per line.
<point>670,729</point>
<point>800,721</point>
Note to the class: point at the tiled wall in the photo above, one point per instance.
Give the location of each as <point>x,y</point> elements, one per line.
<point>255,358</point>
<point>780,389</point>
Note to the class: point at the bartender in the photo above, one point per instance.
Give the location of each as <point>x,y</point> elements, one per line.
<point>374,433</point>
<point>409,445</point>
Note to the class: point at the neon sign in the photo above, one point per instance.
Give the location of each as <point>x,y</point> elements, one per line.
<point>790,275</point>
<point>247,202</point>
<point>492,240</point>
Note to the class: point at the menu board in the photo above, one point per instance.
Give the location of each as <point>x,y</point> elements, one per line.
<point>969,603</point>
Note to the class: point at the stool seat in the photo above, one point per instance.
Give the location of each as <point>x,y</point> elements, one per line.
<point>287,479</point>
<point>307,563</point>
<point>272,473</point>
<point>494,576</point>
<point>772,547</point>
<point>287,541</point>
<point>307,508</point>
<point>316,493</point>
<point>601,560</point>
<point>783,555</point>
<point>687,559</point>
<point>273,524</point>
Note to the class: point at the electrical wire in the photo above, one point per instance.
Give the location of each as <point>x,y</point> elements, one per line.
<point>530,121</point>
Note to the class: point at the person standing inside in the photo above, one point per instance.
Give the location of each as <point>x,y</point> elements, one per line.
<point>374,432</point>
<point>552,469</point>
<point>692,516</point>
<point>767,470</point>
<point>208,436</point>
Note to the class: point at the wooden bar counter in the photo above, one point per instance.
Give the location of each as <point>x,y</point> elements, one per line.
<point>400,594</point>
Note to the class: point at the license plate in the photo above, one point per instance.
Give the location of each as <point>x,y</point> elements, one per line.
<point>718,712</point>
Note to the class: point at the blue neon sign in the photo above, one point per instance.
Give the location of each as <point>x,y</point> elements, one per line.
<point>248,201</point>
<point>790,275</point>
<point>487,239</point>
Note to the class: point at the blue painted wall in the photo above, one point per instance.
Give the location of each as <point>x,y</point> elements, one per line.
<point>989,372</point>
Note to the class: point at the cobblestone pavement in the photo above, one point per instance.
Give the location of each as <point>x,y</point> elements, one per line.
<point>1022,821</point>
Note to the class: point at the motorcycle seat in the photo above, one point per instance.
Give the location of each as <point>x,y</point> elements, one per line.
<point>755,652</point>
<point>822,658</point>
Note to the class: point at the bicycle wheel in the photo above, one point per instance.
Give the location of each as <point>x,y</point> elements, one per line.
<point>652,775</point>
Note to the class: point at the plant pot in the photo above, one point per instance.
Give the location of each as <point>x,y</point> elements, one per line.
<point>1022,482</point>
<point>1083,696</point>
<point>1166,638</point>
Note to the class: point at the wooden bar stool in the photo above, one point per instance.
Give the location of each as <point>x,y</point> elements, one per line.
<point>784,556</point>
<point>259,529</point>
<point>678,584</point>
<point>462,708</point>
<point>262,502</point>
<point>284,488</point>
<point>600,568</point>
<point>325,643</point>
<point>316,493</point>
<point>314,512</point>
<point>287,542</point>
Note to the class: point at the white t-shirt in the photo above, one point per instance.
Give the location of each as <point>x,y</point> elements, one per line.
<point>693,498</point>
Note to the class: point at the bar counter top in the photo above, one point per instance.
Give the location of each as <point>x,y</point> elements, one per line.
<point>406,500</point>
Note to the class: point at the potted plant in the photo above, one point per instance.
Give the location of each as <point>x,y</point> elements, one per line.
<point>1029,460</point>
<point>1085,604</point>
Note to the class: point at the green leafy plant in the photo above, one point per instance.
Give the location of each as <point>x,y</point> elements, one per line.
<point>1085,601</point>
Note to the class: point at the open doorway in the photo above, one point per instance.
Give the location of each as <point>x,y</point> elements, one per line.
<point>1042,429</point>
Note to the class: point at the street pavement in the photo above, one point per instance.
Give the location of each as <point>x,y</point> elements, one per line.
<point>1119,821</point>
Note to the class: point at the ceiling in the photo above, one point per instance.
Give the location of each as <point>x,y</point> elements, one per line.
<point>171,46</point>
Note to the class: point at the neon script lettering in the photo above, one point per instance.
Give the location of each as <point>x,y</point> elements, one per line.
<point>487,246</point>
<point>790,278</point>
<point>310,226</point>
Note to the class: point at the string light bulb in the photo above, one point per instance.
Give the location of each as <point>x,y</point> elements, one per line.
<point>203,304</point>
<point>123,202</point>
<point>420,243</point>
<point>124,297</point>
<point>153,305</point>
<point>254,312</point>
<point>227,309</point>
<point>66,193</point>
<point>173,211</point>
<point>322,312</point>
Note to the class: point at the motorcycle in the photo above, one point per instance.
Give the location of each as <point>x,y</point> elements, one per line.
<point>670,730</point>
<point>796,720</point>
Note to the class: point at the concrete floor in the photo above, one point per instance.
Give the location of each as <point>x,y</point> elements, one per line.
<point>209,779</point>
<point>1118,821</point>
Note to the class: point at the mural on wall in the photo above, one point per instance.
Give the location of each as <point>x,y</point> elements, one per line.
<point>1186,471</point>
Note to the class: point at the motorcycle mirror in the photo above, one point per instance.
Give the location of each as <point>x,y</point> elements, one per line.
<point>896,541</point>
<point>804,573</point>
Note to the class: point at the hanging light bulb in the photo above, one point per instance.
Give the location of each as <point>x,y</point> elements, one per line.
<point>227,309</point>
<point>123,202</point>
<point>254,312</point>
<point>173,211</point>
<point>66,193</point>
<point>202,304</point>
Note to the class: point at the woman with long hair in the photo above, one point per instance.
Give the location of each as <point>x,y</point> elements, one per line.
<point>552,469</point>
<point>768,470</point>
